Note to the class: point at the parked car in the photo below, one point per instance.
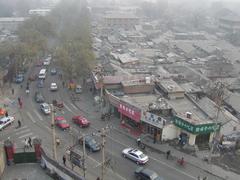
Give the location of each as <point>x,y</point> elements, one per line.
<point>146,174</point>
<point>32,77</point>
<point>135,155</point>
<point>19,78</point>
<point>6,121</point>
<point>53,87</point>
<point>39,63</point>
<point>81,121</point>
<point>91,144</point>
<point>53,71</point>
<point>78,89</point>
<point>45,108</point>
<point>40,83</point>
<point>38,97</point>
<point>61,122</point>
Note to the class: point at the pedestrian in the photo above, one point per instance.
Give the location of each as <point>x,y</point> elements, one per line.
<point>6,114</point>
<point>168,153</point>
<point>19,123</point>
<point>198,178</point>
<point>30,141</point>
<point>63,84</point>
<point>64,160</point>
<point>205,178</point>
<point>26,145</point>
<point>138,141</point>
<point>98,178</point>
<point>12,91</point>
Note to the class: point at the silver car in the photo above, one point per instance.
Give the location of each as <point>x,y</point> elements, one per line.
<point>45,108</point>
<point>135,155</point>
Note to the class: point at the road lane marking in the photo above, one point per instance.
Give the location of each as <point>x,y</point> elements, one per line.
<point>38,115</point>
<point>48,128</point>
<point>68,108</point>
<point>25,135</point>
<point>30,116</point>
<point>73,106</point>
<point>21,132</point>
<point>161,162</point>
<point>34,137</point>
<point>21,128</point>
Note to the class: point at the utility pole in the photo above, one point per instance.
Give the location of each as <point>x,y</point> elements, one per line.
<point>103,135</point>
<point>53,134</point>
<point>219,91</point>
<point>84,151</point>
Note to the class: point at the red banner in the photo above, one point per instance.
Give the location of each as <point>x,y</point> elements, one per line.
<point>129,112</point>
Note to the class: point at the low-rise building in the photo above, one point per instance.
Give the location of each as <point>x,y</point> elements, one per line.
<point>11,23</point>
<point>171,89</point>
<point>125,20</point>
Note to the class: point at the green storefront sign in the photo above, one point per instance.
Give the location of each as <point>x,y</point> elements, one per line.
<point>195,129</point>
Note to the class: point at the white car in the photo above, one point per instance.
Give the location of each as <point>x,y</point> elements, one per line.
<point>135,155</point>
<point>6,121</point>
<point>45,108</point>
<point>53,87</point>
<point>47,61</point>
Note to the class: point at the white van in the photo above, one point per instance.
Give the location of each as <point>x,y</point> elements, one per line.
<point>42,74</point>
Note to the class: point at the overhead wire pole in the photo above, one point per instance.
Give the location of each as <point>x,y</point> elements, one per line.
<point>218,100</point>
<point>53,134</point>
<point>84,152</point>
<point>103,135</point>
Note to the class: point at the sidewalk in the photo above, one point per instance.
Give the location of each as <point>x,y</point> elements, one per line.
<point>163,148</point>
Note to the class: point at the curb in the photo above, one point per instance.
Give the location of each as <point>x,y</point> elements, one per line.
<point>161,152</point>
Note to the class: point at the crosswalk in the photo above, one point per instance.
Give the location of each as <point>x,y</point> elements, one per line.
<point>23,133</point>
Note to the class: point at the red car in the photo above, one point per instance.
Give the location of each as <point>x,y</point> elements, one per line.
<point>81,121</point>
<point>61,122</point>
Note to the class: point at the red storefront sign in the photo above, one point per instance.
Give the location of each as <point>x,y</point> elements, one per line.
<point>129,112</point>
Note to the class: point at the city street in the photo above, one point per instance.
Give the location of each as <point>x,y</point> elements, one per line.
<point>37,125</point>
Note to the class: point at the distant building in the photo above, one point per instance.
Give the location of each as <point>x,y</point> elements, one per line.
<point>10,23</point>
<point>39,12</point>
<point>121,20</point>
<point>230,23</point>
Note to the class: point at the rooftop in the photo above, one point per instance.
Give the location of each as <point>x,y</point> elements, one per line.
<point>170,86</point>
<point>182,106</point>
<point>146,101</point>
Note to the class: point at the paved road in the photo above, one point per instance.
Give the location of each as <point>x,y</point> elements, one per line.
<point>35,124</point>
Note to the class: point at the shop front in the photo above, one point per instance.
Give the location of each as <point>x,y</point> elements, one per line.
<point>130,117</point>
<point>195,133</point>
<point>153,125</point>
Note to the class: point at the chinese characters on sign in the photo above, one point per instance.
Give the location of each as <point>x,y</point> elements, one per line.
<point>129,112</point>
<point>195,129</point>
<point>154,119</point>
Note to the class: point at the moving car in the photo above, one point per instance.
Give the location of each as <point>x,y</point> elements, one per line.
<point>146,174</point>
<point>19,78</point>
<point>61,122</point>
<point>6,121</point>
<point>47,61</point>
<point>91,144</point>
<point>38,97</point>
<point>53,87</point>
<point>40,83</point>
<point>78,89</point>
<point>53,71</point>
<point>45,108</point>
<point>135,155</point>
<point>81,121</point>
